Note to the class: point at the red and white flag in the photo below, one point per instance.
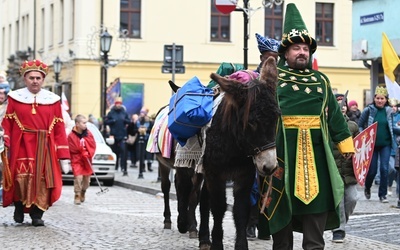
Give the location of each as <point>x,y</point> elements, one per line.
<point>314,62</point>
<point>64,102</point>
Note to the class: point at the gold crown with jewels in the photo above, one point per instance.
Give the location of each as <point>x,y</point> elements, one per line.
<point>34,65</point>
<point>381,91</point>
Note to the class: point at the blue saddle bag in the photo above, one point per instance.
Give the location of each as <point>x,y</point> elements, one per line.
<point>190,108</point>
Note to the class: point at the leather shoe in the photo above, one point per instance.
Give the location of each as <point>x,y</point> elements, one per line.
<point>251,232</point>
<point>367,193</point>
<point>37,222</point>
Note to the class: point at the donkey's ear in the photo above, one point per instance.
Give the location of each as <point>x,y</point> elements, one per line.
<point>173,86</point>
<point>269,72</point>
<point>226,84</point>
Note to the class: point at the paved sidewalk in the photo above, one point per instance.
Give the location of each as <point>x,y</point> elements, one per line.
<point>151,185</point>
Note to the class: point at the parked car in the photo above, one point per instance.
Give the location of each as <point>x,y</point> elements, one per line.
<point>103,160</point>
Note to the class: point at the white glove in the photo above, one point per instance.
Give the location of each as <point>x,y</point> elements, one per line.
<point>65,166</point>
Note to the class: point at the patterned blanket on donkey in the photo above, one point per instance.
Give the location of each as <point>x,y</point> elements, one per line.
<point>160,139</point>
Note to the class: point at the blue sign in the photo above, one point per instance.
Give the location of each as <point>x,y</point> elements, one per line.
<point>372,18</point>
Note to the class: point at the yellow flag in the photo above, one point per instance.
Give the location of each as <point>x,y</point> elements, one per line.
<point>390,61</point>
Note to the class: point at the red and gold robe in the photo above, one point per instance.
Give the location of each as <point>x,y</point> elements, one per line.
<point>36,141</point>
<point>82,148</point>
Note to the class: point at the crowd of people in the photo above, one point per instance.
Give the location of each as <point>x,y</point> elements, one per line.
<point>314,188</point>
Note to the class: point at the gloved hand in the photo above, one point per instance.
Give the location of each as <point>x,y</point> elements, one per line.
<point>65,166</point>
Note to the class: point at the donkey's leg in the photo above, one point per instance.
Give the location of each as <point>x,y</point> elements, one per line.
<point>165,188</point>
<point>183,186</point>
<point>241,207</point>
<point>217,191</point>
<point>193,202</point>
<point>204,230</point>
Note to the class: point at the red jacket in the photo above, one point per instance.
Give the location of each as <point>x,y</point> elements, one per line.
<point>82,148</point>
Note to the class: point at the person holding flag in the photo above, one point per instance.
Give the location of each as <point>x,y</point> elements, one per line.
<point>379,111</point>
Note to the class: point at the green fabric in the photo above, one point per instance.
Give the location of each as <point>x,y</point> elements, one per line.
<point>321,102</point>
<point>226,69</point>
<point>383,137</point>
<point>295,30</point>
<point>345,166</point>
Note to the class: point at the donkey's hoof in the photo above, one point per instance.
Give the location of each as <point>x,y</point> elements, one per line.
<point>167,225</point>
<point>193,235</point>
<point>205,246</point>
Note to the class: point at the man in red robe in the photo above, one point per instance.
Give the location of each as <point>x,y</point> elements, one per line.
<point>82,147</point>
<point>35,141</point>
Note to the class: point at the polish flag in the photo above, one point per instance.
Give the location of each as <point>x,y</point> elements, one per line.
<point>314,62</point>
<point>64,102</point>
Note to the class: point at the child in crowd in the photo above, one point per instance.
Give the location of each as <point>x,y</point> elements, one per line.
<point>82,147</point>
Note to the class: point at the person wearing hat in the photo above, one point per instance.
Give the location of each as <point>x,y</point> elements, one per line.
<point>346,170</point>
<point>34,137</point>
<point>267,47</point>
<point>385,144</point>
<point>118,119</point>
<point>306,187</point>
<point>353,112</point>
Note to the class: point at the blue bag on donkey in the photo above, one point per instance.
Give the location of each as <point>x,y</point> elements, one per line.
<point>190,108</point>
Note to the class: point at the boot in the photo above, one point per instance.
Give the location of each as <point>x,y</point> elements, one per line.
<point>18,212</point>
<point>149,167</point>
<point>77,199</point>
<point>83,192</point>
<point>36,216</point>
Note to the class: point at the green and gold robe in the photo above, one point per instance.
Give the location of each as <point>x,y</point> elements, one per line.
<point>307,180</point>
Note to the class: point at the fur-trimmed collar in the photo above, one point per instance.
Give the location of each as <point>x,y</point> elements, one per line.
<point>43,97</point>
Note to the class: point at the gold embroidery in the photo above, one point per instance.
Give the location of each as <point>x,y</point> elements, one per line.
<point>306,184</point>
<point>55,120</point>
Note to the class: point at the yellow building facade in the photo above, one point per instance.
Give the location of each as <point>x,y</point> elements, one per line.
<point>70,29</point>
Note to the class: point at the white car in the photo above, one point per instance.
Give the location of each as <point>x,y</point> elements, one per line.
<point>103,161</point>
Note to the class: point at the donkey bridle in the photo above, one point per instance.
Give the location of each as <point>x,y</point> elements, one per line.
<point>258,150</point>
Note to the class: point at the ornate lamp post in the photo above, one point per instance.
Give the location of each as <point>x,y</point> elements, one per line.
<point>105,45</point>
<point>57,64</point>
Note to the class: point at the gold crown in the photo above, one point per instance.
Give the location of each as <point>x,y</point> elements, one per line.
<point>393,101</point>
<point>35,65</point>
<point>381,91</point>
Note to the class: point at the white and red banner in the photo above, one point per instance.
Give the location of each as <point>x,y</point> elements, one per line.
<point>364,144</point>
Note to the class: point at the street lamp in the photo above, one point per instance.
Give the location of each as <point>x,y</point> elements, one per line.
<point>105,45</point>
<point>57,64</point>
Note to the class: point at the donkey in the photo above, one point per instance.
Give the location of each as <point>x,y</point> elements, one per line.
<point>187,182</point>
<point>239,142</point>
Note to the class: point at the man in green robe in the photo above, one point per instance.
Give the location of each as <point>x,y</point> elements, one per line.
<point>306,187</point>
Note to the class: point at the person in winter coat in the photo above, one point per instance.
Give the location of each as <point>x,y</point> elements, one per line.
<point>117,119</point>
<point>379,111</point>
<point>345,167</point>
<point>82,147</point>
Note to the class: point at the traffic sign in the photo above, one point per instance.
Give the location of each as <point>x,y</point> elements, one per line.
<point>173,52</point>
<point>165,69</point>
<point>226,6</point>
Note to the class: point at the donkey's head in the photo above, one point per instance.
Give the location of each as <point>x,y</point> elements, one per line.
<point>251,112</point>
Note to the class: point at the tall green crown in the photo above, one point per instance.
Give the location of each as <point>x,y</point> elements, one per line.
<point>295,31</point>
